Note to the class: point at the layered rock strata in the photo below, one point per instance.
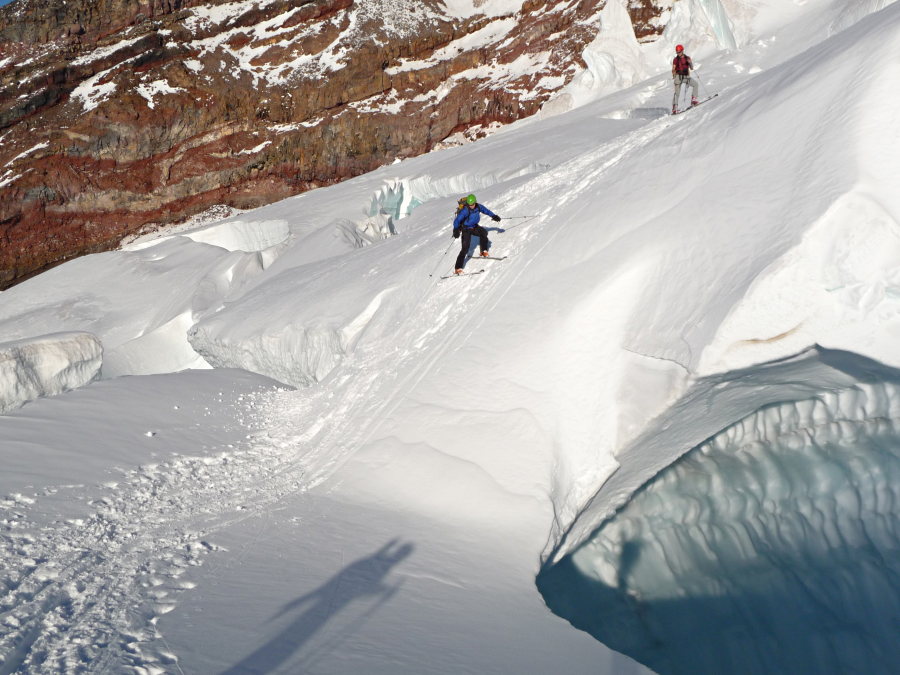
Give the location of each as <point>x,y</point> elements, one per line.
<point>117,115</point>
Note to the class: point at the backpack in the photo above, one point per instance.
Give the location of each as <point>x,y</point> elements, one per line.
<point>683,64</point>
<point>460,205</point>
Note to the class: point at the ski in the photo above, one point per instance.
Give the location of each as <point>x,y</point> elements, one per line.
<point>488,257</point>
<point>699,103</point>
<point>464,274</point>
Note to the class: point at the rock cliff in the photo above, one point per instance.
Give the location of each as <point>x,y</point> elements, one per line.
<point>116,115</point>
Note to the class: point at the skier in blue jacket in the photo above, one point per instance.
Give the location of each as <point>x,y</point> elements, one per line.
<point>466,223</point>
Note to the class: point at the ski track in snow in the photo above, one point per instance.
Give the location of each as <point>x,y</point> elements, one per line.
<point>429,335</point>
<point>85,595</point>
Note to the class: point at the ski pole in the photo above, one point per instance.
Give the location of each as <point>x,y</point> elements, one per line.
<point>706,93</point>
<point>441,260</point>
<point>507,229</point>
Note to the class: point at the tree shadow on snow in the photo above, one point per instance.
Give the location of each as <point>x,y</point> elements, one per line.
<point>363,579</point>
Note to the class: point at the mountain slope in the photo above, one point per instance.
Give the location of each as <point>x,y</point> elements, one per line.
<point>118,116</point>
<point>448,439</point>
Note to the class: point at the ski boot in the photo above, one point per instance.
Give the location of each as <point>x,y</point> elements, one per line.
<point>458,271</point>
<point>694,101</point>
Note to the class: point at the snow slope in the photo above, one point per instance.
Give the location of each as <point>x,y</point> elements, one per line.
<point>448,440</point>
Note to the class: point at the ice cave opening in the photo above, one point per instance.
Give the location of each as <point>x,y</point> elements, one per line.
<point>772,547</point>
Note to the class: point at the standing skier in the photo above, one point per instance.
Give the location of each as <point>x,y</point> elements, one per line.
<point>681,74</point>
<point>466,223</point>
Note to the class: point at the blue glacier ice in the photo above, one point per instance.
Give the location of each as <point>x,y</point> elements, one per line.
<point>771,547</point>
<point>720,23</point>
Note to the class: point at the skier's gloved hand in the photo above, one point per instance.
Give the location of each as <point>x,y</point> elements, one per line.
<point>496,219</point>
<point>456,234</point>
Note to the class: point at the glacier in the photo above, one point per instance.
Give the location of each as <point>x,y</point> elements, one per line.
<point>771,546</point>
<point>678,388</point>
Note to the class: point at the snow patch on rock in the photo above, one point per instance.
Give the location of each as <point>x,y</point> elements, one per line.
<point>91,93</point>
<point>467,8</point>
<point>156,88</point>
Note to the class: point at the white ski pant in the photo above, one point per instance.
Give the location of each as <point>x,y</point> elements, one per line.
<point>684,79</point>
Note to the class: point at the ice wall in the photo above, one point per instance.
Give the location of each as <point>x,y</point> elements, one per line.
<point>703,26</point>
<point>773,547</point>
<point>719,23</point>
<point>46,365</point>
<point>614,61</point>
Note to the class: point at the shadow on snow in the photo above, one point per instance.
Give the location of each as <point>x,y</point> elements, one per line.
<point>363,579</point>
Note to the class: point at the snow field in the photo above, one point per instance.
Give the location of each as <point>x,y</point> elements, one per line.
<point>84,587</point>
<point>449,437</point>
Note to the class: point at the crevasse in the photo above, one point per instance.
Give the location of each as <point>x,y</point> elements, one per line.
<point>773,547</point>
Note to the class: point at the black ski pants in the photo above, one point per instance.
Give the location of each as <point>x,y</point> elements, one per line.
<point>466,241</point>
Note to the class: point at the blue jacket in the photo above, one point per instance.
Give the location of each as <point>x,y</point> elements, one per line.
<point>469,218</point>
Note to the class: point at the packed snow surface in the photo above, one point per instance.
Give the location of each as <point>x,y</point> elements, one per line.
<point>329,460</point>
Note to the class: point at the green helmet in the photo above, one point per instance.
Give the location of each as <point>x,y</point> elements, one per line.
<point>470,200</point>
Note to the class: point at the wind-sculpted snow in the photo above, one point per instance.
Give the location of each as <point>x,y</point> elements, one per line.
<point>289,349</point>
<point>302,343</point>
<point>835,280</point>
<point>243,235</point>
<point>854,11</point>
<point>666,282</point>
<point>46,366</point>
<point>118,299</point>
<point>773,546</point>
<point>232,234</point>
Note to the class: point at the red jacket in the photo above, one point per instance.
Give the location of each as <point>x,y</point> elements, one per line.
<point>682,65</point>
